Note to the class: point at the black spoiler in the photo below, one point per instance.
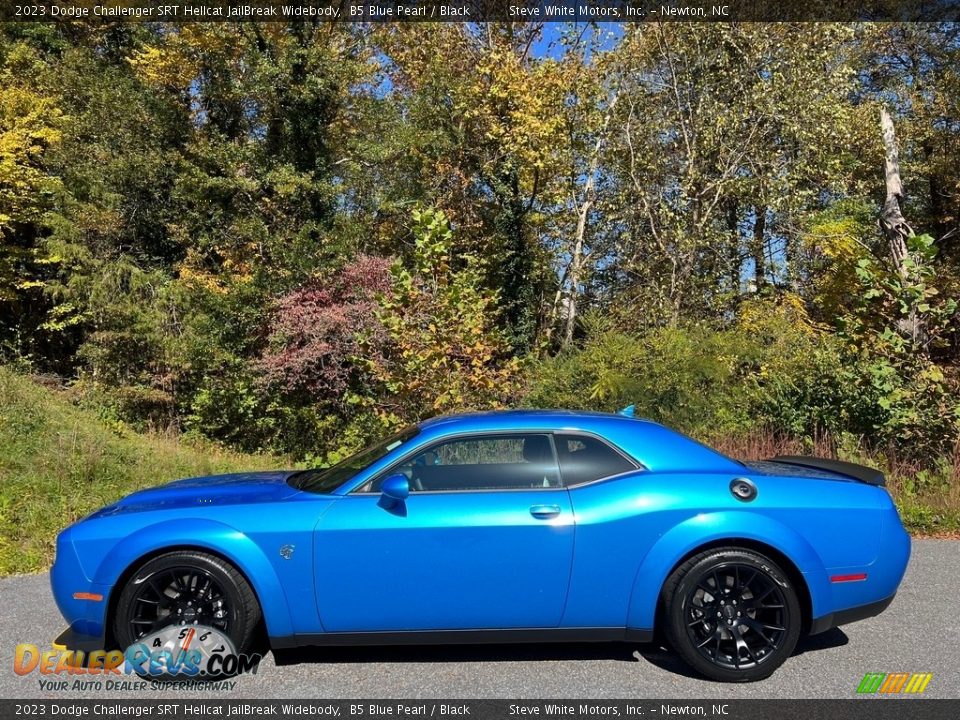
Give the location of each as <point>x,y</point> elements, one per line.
<point>852,470</point>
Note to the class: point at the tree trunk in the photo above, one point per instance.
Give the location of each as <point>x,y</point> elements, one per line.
<point>892,222</point>
<point>759,247</point>
<point>583,216</point>
<point>733,249</point>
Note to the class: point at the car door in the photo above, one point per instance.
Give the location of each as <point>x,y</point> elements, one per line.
<point>484,541</point>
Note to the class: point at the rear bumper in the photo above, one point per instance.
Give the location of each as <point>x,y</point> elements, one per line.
<point>844,617</point>
<point>861,599</point>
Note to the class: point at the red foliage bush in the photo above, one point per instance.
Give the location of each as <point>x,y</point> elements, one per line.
<point>314,331</point>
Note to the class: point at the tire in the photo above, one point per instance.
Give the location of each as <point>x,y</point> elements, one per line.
<point>235,612</point>
<point>731,614</point>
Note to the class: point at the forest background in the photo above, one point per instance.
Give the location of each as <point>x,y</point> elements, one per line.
<point>239,245</point>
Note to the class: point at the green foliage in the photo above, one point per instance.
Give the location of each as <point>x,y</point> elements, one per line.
<point>899,318</point>
<point>763,372</point>
<point>58,463</point>
<point>196,223</point>
<point>443,350</point>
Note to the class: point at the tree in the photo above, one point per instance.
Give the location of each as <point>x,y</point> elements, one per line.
<point>723,137</point>
<point>443,350</point>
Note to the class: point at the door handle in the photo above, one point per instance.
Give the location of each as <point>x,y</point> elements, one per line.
<point>545,512</point>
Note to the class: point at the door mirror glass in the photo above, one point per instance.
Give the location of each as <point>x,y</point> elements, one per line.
<point>395,489</point>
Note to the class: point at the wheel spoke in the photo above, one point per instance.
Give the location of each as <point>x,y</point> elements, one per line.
<point>758,629</point>
<point>742,645</point>
<point>715,635</point>
<point>766,592</point>
<point>754,619</point>
<point>158,589</point>
<point>703,585</point>
<point>177,595</point>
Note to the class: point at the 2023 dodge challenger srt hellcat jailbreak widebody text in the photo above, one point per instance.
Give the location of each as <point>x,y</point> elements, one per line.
<point>500,527</point>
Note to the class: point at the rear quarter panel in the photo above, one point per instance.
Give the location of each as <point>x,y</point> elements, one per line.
<point>633,530</point>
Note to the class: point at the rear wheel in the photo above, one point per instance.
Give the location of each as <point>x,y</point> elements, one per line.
<point>732,614</point>
<point>187,588</point>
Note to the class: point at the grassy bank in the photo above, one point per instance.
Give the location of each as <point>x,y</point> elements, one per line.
<point>59,462</point>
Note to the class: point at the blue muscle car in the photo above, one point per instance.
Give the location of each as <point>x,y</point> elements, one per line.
<point>507,526</point>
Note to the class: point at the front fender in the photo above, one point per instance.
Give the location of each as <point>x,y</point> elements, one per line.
<point>217,537</point>
<point>706,528</point>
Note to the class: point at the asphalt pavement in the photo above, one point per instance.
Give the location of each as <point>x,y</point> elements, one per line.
<point>919,632</point>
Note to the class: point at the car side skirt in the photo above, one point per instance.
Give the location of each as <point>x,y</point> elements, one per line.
<point>844,617</point>
<point>465,637</point>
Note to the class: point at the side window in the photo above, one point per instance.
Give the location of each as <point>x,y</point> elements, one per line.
<point>490,462</point>
<point>585,459</point>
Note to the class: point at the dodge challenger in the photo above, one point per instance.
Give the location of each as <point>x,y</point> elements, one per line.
<point>508,526</point>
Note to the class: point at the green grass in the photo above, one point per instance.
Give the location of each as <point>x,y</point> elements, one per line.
<point>59,462</point>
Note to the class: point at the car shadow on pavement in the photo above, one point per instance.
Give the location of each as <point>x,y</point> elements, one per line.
<point>668,660</point>
<point>653,653</point>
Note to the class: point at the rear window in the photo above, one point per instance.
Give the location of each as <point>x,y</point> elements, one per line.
<point>584,459</point>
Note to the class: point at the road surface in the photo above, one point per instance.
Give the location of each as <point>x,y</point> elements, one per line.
<point>919,632</point>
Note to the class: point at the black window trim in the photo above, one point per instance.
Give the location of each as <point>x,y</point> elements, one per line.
<point>551,434</point>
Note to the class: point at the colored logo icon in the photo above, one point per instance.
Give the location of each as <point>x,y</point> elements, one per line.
<point>894,683</point>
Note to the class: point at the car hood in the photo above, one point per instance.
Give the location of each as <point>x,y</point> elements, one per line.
<point>230,489</point>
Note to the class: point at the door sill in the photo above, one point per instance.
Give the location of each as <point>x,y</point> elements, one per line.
<point>465,637</point>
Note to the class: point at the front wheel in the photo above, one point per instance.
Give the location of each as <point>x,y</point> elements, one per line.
<point>191,589</point>
<point>732,614</point>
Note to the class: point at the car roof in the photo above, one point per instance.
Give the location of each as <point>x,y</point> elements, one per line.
<point>655,446</point>
<point>528,418</point>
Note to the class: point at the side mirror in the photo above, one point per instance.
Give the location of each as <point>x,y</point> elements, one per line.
<point>394,490</point>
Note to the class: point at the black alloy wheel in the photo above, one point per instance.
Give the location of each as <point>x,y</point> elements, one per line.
<point>186,588</point>
<point>732,614</point>
<point>180,595</point>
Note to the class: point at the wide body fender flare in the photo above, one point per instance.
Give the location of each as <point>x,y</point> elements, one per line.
<point>217,538</point>
<point>707,529</point>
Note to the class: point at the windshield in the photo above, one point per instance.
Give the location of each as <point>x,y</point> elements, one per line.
<point>326,480</point>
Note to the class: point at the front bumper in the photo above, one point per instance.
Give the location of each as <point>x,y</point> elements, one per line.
<point>71,640</point>
<point>82,602</point>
